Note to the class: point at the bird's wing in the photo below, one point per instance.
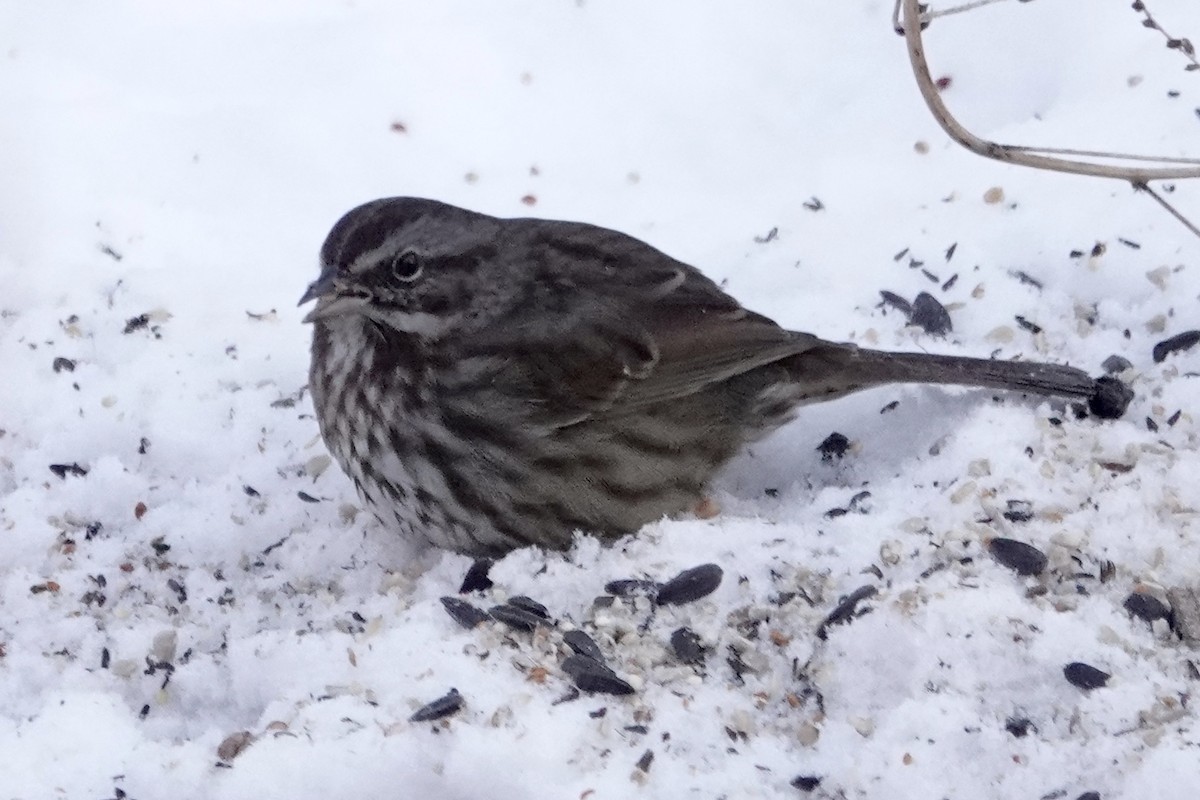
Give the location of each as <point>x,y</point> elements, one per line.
<point>646,330</point>
<point>697,350</point>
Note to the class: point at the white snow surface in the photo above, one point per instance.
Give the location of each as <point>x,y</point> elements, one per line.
<point>184,161</point>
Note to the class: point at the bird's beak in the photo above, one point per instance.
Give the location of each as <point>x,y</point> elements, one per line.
<point>329,302</point>
<point>321,286</point>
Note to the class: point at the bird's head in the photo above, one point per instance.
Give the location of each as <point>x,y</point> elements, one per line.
<point>405,263</point>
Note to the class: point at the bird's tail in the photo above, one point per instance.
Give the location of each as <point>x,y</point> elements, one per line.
<point>825,372</point>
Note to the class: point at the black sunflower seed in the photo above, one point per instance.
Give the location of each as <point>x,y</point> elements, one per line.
<point>444,706</point>
<point>1085,676</point>
<point>1147,607</point>
<point>516,618</point>
<point>1021,558</point>
<point>592,676</point>
<point>629,587</point>
<point>529,604</point>
<point>463,612</point>
<point>690,585</point>
<point>930,315</point>
<point>583,644</point>
<point>685,643</point>
<point>1175,344</point>
<point>896,301</point>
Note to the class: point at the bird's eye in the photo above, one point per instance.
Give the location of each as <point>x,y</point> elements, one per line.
<point>406,267</point>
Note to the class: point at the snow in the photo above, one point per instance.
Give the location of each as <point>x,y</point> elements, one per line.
<point>184,162</point>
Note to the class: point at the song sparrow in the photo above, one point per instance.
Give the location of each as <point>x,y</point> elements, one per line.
<point>492,383</point>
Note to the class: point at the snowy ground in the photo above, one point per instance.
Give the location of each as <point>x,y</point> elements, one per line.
<point>170,170</point>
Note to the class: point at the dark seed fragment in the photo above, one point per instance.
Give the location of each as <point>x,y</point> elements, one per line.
<point>834,446</point>
<point>629,587</point>
<point>476,579</point>
<point>516,618</point>
<point>61,364</point>
<point>690,585</point>
<point>1089,796</point>
<point>1115,364</point>
<point>1147,607</point>
<point>845,610</point>
<point>897,302</point>
<point>685,643</point>
<point>306,497</point>
<point>63,470</point>
<point>1085,676</point>
<point>1021,558</point>
<point>583,644</point>
<point>1019,726</point>
<point>1019,511</point>
<point>570,696</point>
<point>136,323</point>
<point>1032,327</point>
<point>250,491</point>
<point>771,236</point>
<point>463,612</point>
<point>529,604</point>
<point>444,706</point>
<point>592,676</point>
<point>1110,398</point>
<point>645,761</point>
<point>1177,343</point>
<point>860,503</point>
<point>930,315</point>
<point>1027,279</point>
<point>806,783</point>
